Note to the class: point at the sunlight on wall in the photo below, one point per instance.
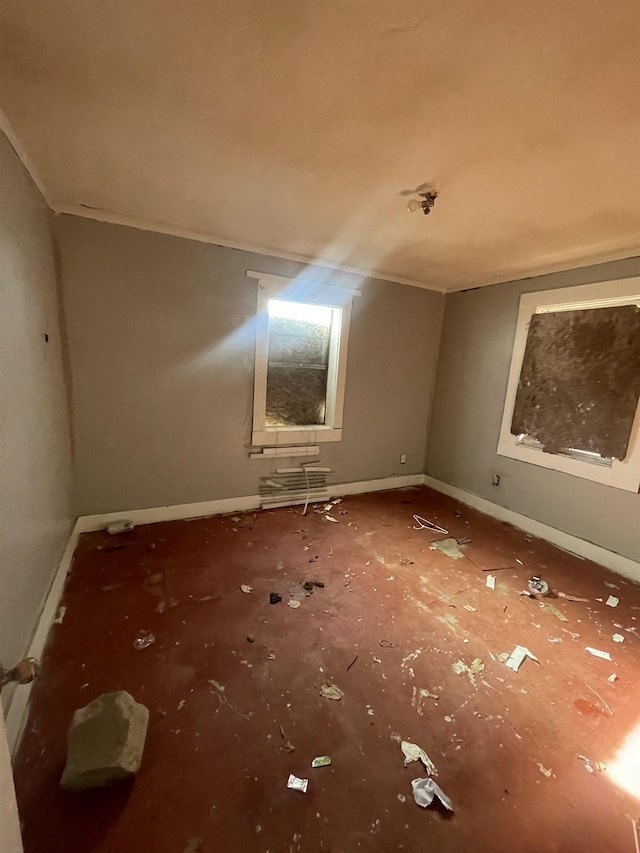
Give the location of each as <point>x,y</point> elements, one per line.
<point>624,769</point>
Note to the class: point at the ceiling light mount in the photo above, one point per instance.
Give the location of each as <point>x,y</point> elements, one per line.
<point>424,202</point>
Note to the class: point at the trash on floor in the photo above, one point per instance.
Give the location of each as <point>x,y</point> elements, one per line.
<point>124,526</point>
<point>418,695</point>
<point>517,656</point>
<point>618,638</point>
<point>424,790</point>
<point>549,608</point>
<point>451,547</point>
<point>470,608</point>
<point>321,761</point>
<point>572,597</point>
<point>545,772</point>
<point>386,644</point>
<point>425,524</point>
<point>144,639</point>
<point>472,671</point>
<point>105,742</point>
<point>274,598</point>
<point>293,602</point>
<point>330,691</point>
<point>613,677</point>
<point>611,585</point>
<point>491,581</point>
<point>612,601</point>
<point>59,615</point>
<point>352,663</point>
<point>598,654</point>
<point>246,588</point>
<point>331,518</point>
<point>537,586</point>
<point>413,752</point>
<point>587,764</point>
<point>297,784</point>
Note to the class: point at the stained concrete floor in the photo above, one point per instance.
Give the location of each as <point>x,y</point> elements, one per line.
<point>230,719</point>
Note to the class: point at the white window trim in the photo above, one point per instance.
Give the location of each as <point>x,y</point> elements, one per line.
<point>622,475</point>
<point>301,290</point>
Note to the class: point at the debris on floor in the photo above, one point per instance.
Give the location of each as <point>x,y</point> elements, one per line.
<point>572,597</point>
<point>549,608</point>
<point>105,742</point>
<point>425,524</point>
<point>386,644</point>
<point>612,601</point>
<point>293,602</point>
<point>598,654</point>
<point>537,586</point>
<point>451,547</point>
<point>144,639</point>
<point>413,752</point>
<point>331,518</point>
<point>587,764</point>
<point>491,581</point>
<point>618,638</point>
<point>418,695</point>
<point>297,784</point>
<point>612,678</point>
<point>517,656</point>
<point>470,608</point>
<point>330,691</point>
<point>59,615</point>
<point>246,588</point>
<point>472,671</point>
<point>424,790</point>
<point>321,761</point>
<point>124,526</point>
<point>274,598</point>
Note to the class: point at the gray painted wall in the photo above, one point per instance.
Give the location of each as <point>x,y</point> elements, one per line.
<point>35,517</point>
<point>161,344</point>
<point>475,356</point>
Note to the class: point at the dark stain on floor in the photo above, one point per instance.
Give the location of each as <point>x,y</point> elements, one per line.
<point>411,637</point>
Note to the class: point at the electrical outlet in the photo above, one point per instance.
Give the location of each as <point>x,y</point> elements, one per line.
<point>403,458</point>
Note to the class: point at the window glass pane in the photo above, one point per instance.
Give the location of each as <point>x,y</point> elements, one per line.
<point>298,363</point>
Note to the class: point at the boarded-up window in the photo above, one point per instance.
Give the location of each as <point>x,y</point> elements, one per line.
<point>580,380</point>
<point>298,363</point>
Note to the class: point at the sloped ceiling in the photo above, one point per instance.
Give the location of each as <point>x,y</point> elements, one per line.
<point>292,126</point>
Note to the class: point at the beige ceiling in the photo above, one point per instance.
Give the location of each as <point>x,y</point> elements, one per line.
<point>292,126</point>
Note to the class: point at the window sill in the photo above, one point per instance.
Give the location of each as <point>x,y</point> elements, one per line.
<point>294,435</point>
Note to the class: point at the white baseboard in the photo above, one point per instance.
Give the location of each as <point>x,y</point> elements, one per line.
<point>17,711</point>
<point>609,559</point>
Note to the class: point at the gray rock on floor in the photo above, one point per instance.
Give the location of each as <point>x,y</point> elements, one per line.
<point>105,742</point>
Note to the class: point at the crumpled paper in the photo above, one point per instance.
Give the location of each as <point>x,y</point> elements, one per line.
<point>413,752</point>
<point>424,790</point>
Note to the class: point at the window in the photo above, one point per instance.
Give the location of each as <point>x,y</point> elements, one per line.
<point>302,330</point>
<point>574,383</point>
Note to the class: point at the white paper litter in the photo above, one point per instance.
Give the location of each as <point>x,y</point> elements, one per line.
<point>293,602</point>
<point>618,638</point>
<point>612,601</point>
<point>424,790</point>
<point>297,784</point>
<point>491,581</point>
<point>246,588</point>
<point>517,656</point>
<point>613,677</point>
<point>598,654</point>
<point>331,518</point>
<point>470,608</point>
<point>413,752</point>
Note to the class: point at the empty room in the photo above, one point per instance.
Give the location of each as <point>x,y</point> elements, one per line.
<point>319,426</point>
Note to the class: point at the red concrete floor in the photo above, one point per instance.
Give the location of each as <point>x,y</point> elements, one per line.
<point>216,764</point>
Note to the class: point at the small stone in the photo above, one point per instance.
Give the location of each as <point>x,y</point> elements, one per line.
<point>105,742</point>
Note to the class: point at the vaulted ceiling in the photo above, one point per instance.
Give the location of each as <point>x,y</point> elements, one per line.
<point>293,126</point>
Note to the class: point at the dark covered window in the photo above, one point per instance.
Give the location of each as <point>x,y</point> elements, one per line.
<point>580,381</point>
